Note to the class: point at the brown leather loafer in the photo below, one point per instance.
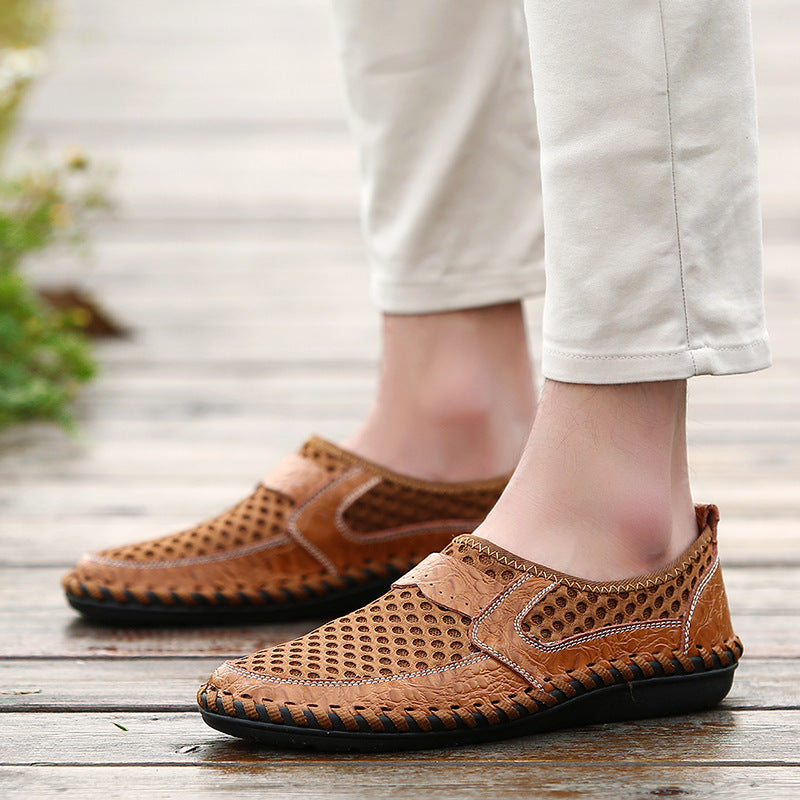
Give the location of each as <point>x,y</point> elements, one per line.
<point>476,644</point>
<point>324,532</point>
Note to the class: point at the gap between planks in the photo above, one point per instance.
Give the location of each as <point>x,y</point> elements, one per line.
<point>115,685</point>
<point>407,780</point>
<point>716,737</point>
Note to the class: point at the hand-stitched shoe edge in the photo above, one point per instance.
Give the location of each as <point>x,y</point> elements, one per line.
<point>626,668</point>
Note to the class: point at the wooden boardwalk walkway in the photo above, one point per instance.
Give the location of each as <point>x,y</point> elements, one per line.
<point>236,256</point>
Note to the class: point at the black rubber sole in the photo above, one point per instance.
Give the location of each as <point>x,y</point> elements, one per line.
<point>109,611</point>
<point>660,696</point>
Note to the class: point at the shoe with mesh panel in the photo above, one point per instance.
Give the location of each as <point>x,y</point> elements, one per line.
<point>326,531</point>
<point>476,644</point>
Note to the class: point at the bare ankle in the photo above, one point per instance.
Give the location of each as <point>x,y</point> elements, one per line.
<point>455,398</point>
<point>649,530</point>
<point>602,490</point>
<point>457,447</point>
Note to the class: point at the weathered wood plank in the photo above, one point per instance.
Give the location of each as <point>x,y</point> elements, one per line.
<point>124,440</point>
<point>114,460</point>
<point>779,497</point>
<point>297,177</point>
<point>116,684</point>
<point>303,175</point>
<point>259,255</point>
<point>406,779</point>
<point>744,542</point>
<point>222,423</point>
<point>237,225</point>
<point>62,633</point>
<point>269,60</point>
<point>184,444</point>
<point>35,621</point>
<point>107,684</point>
<point>126,386</point>
<point>719,737</point>
<point>756,590</point>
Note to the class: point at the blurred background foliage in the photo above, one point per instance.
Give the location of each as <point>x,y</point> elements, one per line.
<point>44,352</point>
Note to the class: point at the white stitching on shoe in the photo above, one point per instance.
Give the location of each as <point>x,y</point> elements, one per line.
<point>182,562</point>
<point>542,572</point>
<point>347,501</point>
<point>383,679</point>
<point>294,531</point>
<point>587,637</point>
<point>695,599</point>
<point>579,638</point>
<point>489,610</point>
<point>563,645</point>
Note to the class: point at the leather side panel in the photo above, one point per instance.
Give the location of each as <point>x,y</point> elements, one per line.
<point>497,631</point>
<point>708,619</point>
<point>452,583</point>
<point>297,477</point>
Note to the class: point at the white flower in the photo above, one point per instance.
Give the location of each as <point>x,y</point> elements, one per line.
<point>17,67</point>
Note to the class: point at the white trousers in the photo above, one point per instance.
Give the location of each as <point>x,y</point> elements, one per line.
<point>637,197</point>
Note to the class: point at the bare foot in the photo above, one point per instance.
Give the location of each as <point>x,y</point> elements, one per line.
<point>602,489</point>
<point>456,397</point>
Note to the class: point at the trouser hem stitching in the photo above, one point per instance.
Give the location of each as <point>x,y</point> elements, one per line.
<point>670,354</point>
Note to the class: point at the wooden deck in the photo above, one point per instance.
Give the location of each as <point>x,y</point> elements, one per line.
<point>235,254</point>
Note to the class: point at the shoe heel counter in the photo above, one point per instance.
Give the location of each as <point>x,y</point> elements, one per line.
<point>707,621</point>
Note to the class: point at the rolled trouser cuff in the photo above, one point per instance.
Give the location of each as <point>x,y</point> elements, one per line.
<point>460,290</point>
<point>568,367</point>
<point>647,122</point>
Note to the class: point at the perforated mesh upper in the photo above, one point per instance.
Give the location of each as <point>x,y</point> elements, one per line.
<point>257,518</point>
<point>490,565</point>
<point>391,504</point>
<point>325,455</point>
<point>400,632</point>
<point>405,632</point>
<point>568,611</point>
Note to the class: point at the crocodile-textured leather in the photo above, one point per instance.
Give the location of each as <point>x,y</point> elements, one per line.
<point>459,639</point>
<point>291,537</point>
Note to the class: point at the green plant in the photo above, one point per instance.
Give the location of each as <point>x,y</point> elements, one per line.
<point>44,356</point>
